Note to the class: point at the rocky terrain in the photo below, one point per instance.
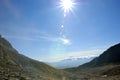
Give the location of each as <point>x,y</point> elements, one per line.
<point>15,66</point>
<point>104,67</point>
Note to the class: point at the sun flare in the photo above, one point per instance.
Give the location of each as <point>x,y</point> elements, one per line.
<point>67,5</point>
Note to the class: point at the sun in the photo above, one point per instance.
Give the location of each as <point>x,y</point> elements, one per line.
<point>67,5</point>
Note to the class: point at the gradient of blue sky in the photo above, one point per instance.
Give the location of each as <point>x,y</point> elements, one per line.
<point>33,27</point>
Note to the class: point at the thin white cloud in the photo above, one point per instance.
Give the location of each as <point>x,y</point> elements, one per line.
<point>79,54</point>
<point>65,41</point>
<point>87,53</point>
<point>40,36</point>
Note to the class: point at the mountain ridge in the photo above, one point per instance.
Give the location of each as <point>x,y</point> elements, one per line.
<point>104,67</point>
<point>12,63</point>
<point>110,56</point>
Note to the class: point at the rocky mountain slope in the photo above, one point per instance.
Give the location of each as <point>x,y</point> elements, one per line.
<point>110,56</point>
<point>14,66</point>
<point>104,67</point>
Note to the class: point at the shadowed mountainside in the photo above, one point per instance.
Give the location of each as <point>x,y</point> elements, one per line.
<point>104,67</point>
<point>15,66</point>
<point>110,56</point>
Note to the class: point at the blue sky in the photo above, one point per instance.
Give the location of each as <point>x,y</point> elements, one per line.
<point>33,27</point>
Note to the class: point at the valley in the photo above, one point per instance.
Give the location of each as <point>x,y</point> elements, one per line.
<point>14,66</point>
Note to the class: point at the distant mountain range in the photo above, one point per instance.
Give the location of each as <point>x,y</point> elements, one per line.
<point>70,62</point>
